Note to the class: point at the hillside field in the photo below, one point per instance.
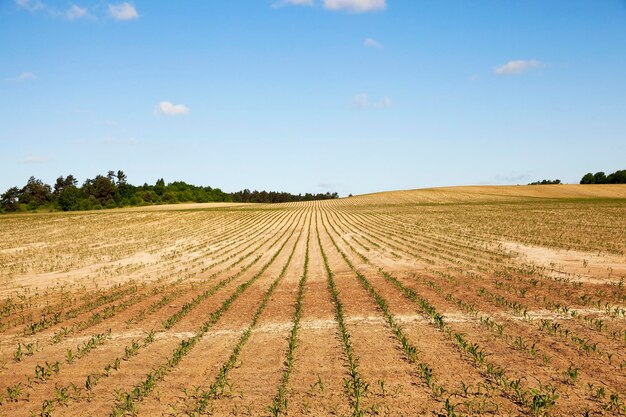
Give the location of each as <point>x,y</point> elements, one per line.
<point>486,300</point>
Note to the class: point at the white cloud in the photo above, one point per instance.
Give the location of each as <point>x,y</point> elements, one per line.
<point>362,102</point>
<point>384,103</point>
<point>356,6</point>
<point>372,43</point>
<point>76,12</point>
<point>30,5</point>
<point>282,3</point>
<point>73,13</point>
<point>25,76</point>
<point>123,11</point>
<point>168,109</point>
<point>34,160</point>
<point>517,67</point>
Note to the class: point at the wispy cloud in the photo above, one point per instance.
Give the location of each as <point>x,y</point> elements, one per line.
<point>168,109</point>
<point>73,13</point>
<point>25,76</point>
<point>326,185</point>
<point>517,67</point>
<point>30,5</point>
<point>34,159</point>
<point>355,6</point>
<point>76,12</point>
<point>283,3</point>
<point>372,43</point>
<point>123,11</point>
<point>362,102</point>
<point>384,103</point>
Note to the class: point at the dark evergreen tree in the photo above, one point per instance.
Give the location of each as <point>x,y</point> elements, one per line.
<point>159,187</point>
<point>121,177</point>
<point>101,188</point>
<point>599,178</point>
<point>618,177</point>
<point>588,179</point>
<point>69,198</point>
<point>63,183</point>
<point>545,182</point>
<point>35,193</point>
<point>9,201</point>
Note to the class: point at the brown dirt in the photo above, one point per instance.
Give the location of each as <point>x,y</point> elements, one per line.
<point>544,263</point>
<point>598,268</point>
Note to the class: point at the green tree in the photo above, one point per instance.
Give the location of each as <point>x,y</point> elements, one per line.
<point>121,177</point>
<point>101,188</point>
<point>149,197</point>
<point>125,190</point>
<point>63,183</point>
<point>599,178</point>
<point>9,201</point>
<point>36,193</point>
<point>169,197</point>
<point>159,187</point>
<point>618,177</point>
<point>588,179</point>
<point>69,198</point>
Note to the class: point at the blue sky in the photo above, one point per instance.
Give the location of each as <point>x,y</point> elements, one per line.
<point>352,96</point>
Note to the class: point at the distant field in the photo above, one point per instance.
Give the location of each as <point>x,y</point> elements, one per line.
<point>446,301</point>
<point>495,193</point>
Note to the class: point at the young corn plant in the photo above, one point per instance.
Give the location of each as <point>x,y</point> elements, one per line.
<point>542,399</point>
<point>17,355</point>
<point>91,381</point>
<point>409,350</point>
<point>46,371</point>
<point>126,402</point>
<point>187,307</point>
<point>279,402</point>
<point>221,384</point>
<point>14,392</point>
<point>355,386</point>
<point>471,348</point>
<point>571,375</point>
<point>69,356</point>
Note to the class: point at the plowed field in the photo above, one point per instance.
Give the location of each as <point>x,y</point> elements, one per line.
<point>455,301</point>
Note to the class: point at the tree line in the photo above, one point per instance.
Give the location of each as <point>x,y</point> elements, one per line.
<point>113,190</point>
<point>617,177</point>
<point>247,196</point>
<point>545,182</point>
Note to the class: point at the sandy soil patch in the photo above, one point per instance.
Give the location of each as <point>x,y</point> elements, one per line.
<point>598,268</point>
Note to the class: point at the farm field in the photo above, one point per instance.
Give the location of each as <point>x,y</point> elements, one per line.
<point>499,301</point>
